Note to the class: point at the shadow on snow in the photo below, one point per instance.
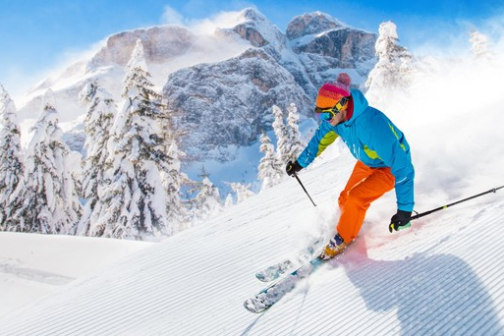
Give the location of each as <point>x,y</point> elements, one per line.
<point>438,294</point>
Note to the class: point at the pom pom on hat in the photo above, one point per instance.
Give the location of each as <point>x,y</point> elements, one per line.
<point>330,93</point>
<point>344,81</point>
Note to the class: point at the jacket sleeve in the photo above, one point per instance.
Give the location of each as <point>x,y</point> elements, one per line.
<point>323,137</point>
<point>392,147</point>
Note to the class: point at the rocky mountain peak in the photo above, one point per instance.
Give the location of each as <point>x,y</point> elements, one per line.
<point>311,23</point>
<point>161,44</point>
<point>257,29</point>
<point>252,14</point>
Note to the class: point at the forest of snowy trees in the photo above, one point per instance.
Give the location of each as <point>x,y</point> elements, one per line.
<point>131,177</point>
<point>289,146</point>
<point>129,184</point>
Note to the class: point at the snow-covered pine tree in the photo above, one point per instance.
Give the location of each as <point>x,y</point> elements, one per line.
<point>134,202</point>
<point>207,202</point>
<point>281,135</point>
<point>242,191</point>
<point>480,47</point>
<point>97,125</point>
<point>172,182</point>
<point>295,143</point>
<point>74,164</point>
<point>46,201</point>
<point>11,166</point>
<point>228,203</point>
<point>270,169</point>
<point>393,71</point>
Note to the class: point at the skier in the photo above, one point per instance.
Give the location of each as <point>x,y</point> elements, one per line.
<point>382,153</point>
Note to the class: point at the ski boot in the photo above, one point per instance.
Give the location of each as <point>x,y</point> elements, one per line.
<point>336,246</point>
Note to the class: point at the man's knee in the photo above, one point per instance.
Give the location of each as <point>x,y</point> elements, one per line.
<point>356,200</point>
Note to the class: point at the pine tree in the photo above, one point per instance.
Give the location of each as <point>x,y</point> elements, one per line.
<point>135,201</point>
<point>207,202</point>
<point>242,191</point>
<point>270,169</point>
<point>74,166</point>
<point>172,182</point>
<point>97,125</point>
<point>295,143</point>
<point>46,201</point>
<point>281,135</point>
<point>11,166</point>
<point>393,70</point>
<point>228,203</point>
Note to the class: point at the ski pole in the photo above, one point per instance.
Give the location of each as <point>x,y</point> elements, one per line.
<point>454,203</point>
<point>302,186</point>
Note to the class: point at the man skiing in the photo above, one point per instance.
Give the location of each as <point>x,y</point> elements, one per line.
<point>382,153</point>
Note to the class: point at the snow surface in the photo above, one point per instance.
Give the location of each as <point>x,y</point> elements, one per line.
<point>443,276</point>
<point>33,265</point>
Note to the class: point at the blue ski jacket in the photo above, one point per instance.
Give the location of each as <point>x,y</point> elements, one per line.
<point>374,140</point>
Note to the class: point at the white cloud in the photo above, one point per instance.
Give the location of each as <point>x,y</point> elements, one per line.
<point>206,26</point>
<point>171,16</point>
<point>220,20</point>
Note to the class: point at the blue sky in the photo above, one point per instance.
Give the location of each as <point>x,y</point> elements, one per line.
<point>36,36</point>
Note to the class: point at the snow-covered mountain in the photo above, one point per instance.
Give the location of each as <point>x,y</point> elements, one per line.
<point>229,102</point>
<point>223,82</point>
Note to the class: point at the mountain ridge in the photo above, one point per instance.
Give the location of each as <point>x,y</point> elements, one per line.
<point>211,79</point>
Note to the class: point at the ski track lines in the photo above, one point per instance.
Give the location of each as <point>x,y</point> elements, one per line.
<point>196,282</point>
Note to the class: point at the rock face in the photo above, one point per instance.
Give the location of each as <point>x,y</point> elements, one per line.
<point>224,84</point>
<point>349,47</point>
<point>320,34</point>
<point>254,27</point>
<point>309,24</point>
<point>161,44</point>
<point>228,103</point>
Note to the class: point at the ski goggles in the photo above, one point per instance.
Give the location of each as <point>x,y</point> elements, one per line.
<point>329,114</point>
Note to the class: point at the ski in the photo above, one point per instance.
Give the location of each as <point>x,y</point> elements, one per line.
<point>273,272</point>
<point>276,291</point>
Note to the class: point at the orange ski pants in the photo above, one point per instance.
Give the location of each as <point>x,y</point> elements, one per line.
<point>364,186</point>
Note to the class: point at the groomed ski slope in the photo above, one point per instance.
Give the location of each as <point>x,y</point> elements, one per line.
<point>442,277</point>
<point>34,265</point>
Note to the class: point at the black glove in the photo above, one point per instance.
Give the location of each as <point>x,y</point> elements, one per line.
<point>292,168</point>
<point>400,221</point>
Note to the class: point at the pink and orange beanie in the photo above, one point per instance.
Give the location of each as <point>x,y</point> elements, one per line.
<point>330,93</point>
